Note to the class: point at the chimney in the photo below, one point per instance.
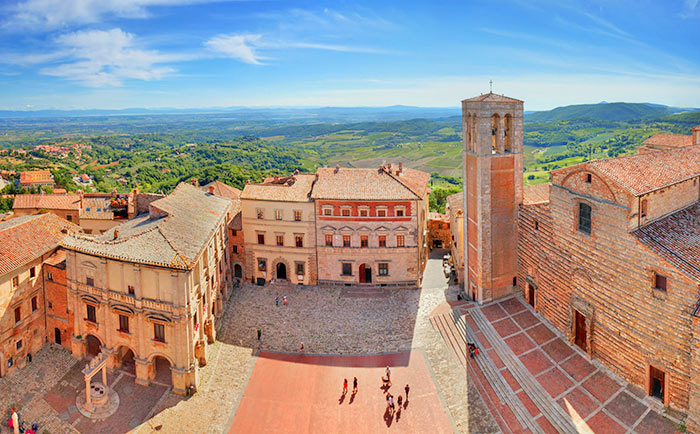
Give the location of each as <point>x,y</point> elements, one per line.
<point>116,234</point>
<point>276,178</point>
<point>136,191</point>
<point>296,172</point>
<point>211,190</point>
<point>696,135</point>
<point>337,168</point>
<point>400,167</point>
<point>389,167</point>
<point>114,192</point>
<point>195,182</point>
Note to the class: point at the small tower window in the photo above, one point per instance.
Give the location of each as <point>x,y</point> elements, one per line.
<point>588,178</point>
<point>584,218</point>
<point>643,208</point>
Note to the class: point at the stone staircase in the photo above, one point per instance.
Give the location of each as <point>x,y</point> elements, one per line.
<point>554,413</point>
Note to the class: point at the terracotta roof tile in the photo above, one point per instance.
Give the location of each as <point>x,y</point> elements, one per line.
<point>35,177</point>
<point>534,194</point>
<point>173,235</point>
<point>675,238</point>
<point>642,173</point>
<point>370,184</point>
<point>491,97</point>
<point>669,140</point>
<point>26,238</point>
<point>223,190</point>
<point>280,190</point>
<point>47,201</point>
<point>455,201</point>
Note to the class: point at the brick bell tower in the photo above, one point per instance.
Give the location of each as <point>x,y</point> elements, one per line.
<point>492,145</point>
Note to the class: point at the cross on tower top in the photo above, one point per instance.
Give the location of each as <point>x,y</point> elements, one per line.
<point>490,86</point>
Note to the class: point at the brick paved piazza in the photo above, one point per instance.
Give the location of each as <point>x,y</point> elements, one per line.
<point>330,321</point>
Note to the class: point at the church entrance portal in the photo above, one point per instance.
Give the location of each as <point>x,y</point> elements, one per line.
<point>281,271</point>
<point>580,333</point>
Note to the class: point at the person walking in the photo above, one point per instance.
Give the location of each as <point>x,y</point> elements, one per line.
<point>301,347</point>
<point>345,386</point>
<point>407,389</point>
<point>285,300</point>
<point>388,374</point>
<point>277,301</point>
<point>399,401</point>
<point>354,385</point>
<point>259,333</point>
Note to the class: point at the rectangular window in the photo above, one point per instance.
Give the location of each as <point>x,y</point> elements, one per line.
<point>89,281</point>
<point>15,281</point>
<point>660,282</point>
<point>297,215</point>
<point>262,264</point>
<point>50,305</point>
<point>584,218</point>
<point>347,269</point>
<point>91,316</point>
<point>299,240</point>
<point>69,218</point>
<point>280,240</point>
<point>261,238</point>
<point>345,212</point>
<point>383,269</point>
<point>400,241</point>
<point>159,332</point>
<point>300,268</point>
<point>643,211</point>
<point>346,240</point>
<point>364,241</point>
<point>234,250</point>
<point>381,213</point>
<point>131,289</point>
<point>382,241</point>
<point>34,304</point>
<point>124,323</point>
<point>49,276</point>
<point>327,211</point>
<point>363,213</point>
<point>329,240</point>
<point>399,213</point>
<point>234,232</point>
<point>278,214</point>
<point>32,272</point>
<point>18,314</point>
<point>588,178</point>
<point>259,213</point>
<point>19,344</point>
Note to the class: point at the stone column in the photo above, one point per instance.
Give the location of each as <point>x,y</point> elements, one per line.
<point>693,421</point>
<point>143,371</point>
<point>500,142</point>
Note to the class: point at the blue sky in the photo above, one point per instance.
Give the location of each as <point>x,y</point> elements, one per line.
<point>197,53</point>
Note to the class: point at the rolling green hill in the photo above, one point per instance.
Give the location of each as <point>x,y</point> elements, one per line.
<point>617,111</point>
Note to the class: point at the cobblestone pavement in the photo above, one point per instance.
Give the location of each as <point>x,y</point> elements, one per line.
<point>343,321</point>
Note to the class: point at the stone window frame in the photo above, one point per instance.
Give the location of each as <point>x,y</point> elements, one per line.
<point>401,208</point>
<point>383,269</point>
<point>120,314</point>
<point>658,293</point>
<point>257,235</point>
<point>343,266</point>
<point>379,240</point>
<point>279,214</point>
<point>661,366</point>
<point>262,264</point>
<point>576,210</point>
<point>382,208</point>
<point>364,238</point>
<point>161,324</point>
<point>260,213</point>
<point>89,305</point>
<point>15,281</point>
<point>586,309</point>
<point>363,210</point>
<point>347,240</point>
<point>303,268</point>
<point>327,210</point>
<point>326,236</point>
<point>297,236</point>
<point>402,238</point>
<point>297,215</point>
<point>344,209</point>
<point>278,236</point>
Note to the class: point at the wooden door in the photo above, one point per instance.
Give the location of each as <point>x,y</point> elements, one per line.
<point>657,379</point>
<point>581,336</point>
<point>362,273</point>
<point>57,335</point>
<point>531,295</point>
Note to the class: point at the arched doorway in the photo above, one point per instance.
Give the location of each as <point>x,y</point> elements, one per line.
<point>125,360</point>
<point>92,346</point>
<point>162,375</point>
<point>365,274</point>
<point>237,270</point>
<point>57,335</point>
<point>281,271</point>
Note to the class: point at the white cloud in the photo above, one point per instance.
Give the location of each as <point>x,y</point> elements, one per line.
<point>106,58</point>
<point>52,14</point>
<point>239,47</point>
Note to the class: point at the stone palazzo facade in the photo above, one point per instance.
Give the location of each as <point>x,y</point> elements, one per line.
<point>371,226</point>
<point>148,291</point>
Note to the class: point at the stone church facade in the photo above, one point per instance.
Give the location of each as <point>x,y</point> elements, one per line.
<point>607,252</point>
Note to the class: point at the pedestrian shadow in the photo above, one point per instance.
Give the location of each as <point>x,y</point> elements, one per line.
<point>385,387</point>
<point>352,398</point>
<point>388,417</point>
<point>398,414</point>
<point>405,404</point>
<point>342,398</point>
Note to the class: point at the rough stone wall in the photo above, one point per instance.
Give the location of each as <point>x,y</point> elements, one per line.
<point>435,232</point>
<point>607,276</point>
<point>58,313</point>
<point>664,201</point>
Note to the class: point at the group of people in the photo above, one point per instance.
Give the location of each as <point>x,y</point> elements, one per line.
<point>354,386</point>
<point>18,427</point>
<point>391,405</point>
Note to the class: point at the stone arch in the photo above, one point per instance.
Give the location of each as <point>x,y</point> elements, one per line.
<point>125,358</point>
<point>609,190</point>
<point>238,269</point>
<point>160,374</point>
<point>275,262</point>
<point>93,345</point>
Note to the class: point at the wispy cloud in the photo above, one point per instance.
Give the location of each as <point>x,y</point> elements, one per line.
<point>100,58</point>
<point>53,14</point>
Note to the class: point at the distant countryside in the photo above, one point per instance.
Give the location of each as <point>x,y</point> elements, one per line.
<point>154,151</point>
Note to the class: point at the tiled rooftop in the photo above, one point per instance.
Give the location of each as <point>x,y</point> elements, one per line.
<point>642,173</point>
<point>675,238</point>
<point>295,188</point>
<point>370,184</point>
<point>491,97</point>
<point>47,201</point>
<point>534,194</point>
<point>173,235</point>
<point>455,201</point>
<point>35,177</point>
<point>223,190</point>
<point>669,140</point>
<point>26,238</point>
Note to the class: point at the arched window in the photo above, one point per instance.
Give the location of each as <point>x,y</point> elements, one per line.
<point>494,133</point>
<point>508,134</point>
<point>643,208</point>
<point>469,131</point>
<point>584,218</point>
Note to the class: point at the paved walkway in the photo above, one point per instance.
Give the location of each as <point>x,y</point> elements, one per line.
<point>555,384</point>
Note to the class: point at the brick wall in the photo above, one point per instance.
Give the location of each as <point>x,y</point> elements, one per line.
<point>58,313</point>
